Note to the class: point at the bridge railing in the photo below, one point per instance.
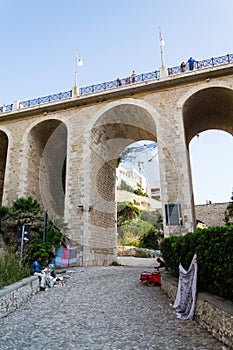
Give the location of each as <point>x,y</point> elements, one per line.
<point>46,99</point>
<point>171,71</point>
<point>210,62</point>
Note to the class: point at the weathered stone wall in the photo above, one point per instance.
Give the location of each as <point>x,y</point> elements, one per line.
<point>211,214</point>
<point>212,313</point>
<point>143,203</point>
<point>16,294</point>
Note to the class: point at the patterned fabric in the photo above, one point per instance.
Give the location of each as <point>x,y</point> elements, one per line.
<point>73,256</point>
<point>58,258</point>
<point>186,292</point>
<point>66,257</point>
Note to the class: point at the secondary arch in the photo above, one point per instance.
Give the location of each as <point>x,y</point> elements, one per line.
<point>47,148</point>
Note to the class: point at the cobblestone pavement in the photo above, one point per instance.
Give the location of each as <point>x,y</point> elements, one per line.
<point>105,308</point>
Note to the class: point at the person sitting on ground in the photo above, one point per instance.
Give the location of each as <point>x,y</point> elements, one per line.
<point>37,270</point>
<point>160,263</point>
<point>36,266</point>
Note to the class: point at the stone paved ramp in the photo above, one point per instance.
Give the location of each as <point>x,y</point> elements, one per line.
<point>104,308</point>
<point>139,262</point>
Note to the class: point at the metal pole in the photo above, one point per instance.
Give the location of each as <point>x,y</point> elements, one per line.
<point>168,218</point>
<point>76,69</point>
<point>161,42</point>
<point>21,247</point>
<point>180,218</point>
<point>45,225</point>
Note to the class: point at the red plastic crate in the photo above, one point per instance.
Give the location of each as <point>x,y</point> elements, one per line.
<point>150,278</point>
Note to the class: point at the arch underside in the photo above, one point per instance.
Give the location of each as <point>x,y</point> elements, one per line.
<point>210,108</point>
<point>47,157</point>
<point>111,134</point>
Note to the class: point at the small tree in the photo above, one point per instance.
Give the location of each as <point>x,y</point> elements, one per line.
<point>229,212</point>
<point>126,211</point>
<point>26,211</point>
<point>150,239</point>
<point>124,187</point>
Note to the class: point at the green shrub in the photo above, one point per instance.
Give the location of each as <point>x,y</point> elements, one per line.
<point>10,270</point>
<point>149,239</point>
<point>214,249</point>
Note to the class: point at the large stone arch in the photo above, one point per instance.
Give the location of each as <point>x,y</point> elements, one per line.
<point>46,164</point>
<point>3,160</point>
<point>119,125</point>
<point>208,108</point>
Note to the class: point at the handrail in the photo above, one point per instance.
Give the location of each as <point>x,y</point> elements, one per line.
<point>171,71</point>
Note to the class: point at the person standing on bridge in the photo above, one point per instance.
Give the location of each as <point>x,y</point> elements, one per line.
<point>133,76</point>
<point>191,62</point>
<point>182,67</point>
<point>118,81</point>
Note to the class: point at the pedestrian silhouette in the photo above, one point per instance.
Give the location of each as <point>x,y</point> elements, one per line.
<point>191,62</point>
<point>133,76</point>
<point>127,81</point>
<point>182,67</point>
<point>119,82</point>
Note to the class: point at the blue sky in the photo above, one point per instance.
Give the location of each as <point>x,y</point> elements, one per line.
<point>39,40</point>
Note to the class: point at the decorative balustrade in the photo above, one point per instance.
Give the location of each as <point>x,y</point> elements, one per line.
<point>171,71</point>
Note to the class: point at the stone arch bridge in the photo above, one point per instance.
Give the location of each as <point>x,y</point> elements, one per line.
<point>64,153</point>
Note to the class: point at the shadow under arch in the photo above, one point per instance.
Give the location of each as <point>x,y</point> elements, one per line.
<point>3,159</point>
<point>209,108</point>
<point>47,149</point>
<point>112,132</point>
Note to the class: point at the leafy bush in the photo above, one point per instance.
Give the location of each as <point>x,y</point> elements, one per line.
<point>126,211</point>
<point>229,212</point>
<point>214,249</point>
<point>124,187</point>
<point>130,232</point>
<point>139,192</point>
<point>10,270</point>
<point>149,239</point>
<point>26,211</point>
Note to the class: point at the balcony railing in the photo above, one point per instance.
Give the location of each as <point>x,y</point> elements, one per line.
<point>171,71</point>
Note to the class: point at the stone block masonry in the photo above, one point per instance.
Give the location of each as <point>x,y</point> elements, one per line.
<point>16,294</point>
<point>64,153</point>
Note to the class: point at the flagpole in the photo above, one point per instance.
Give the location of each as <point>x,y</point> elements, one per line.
<point>78,62</point>
<point>161,43</point>
<point>163,69</point>
<point>76,69</point>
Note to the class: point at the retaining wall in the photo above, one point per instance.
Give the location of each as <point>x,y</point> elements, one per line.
<point>212,313</point>
<point>16,294</point>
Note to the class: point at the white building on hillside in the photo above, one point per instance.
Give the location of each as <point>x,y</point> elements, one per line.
<point>132,178</point>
